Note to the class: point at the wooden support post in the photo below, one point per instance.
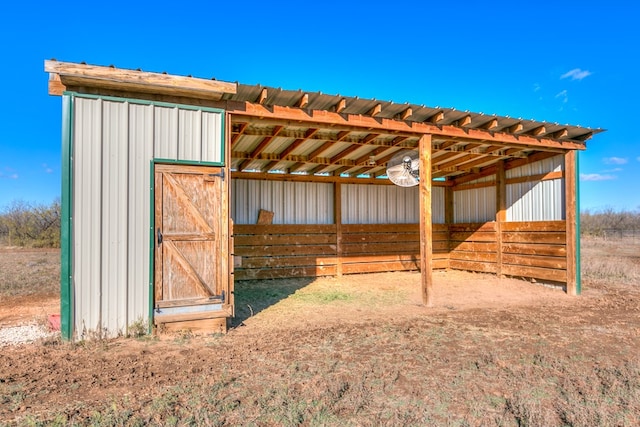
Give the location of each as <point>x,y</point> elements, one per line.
<point>571,216</point>
<point>501,209</point>
<point>426,243</point>
<point>448,218</point>
<point>337,213</point>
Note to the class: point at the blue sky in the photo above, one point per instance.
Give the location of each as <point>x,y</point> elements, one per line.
<point>560,61</point>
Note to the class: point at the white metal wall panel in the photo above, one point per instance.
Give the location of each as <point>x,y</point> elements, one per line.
<point>474,205</point>
<point>139,171</point>
<point>291,202</point>
<point>536,200</point>
<point>379,204</point>
<point>87,214</point>
<point>437,205</point>
<point>114,144</point>
<point>553,164</point>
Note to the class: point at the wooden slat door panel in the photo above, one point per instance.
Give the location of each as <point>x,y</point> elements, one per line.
<point>188,256</point>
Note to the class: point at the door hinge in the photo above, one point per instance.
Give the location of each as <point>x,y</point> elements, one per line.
<point>221,174</point>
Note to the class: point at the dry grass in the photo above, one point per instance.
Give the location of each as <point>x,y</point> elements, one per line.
<point>25,271</point>
<point>615,261</point>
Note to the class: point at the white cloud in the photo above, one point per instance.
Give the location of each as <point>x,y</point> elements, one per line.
<point>46,168</point>
<point>564,96</point>
<point>612,170</point>
<point>615,160</point>
<point>9,176</point>
<point>595,177</point>
<point>576,74</point>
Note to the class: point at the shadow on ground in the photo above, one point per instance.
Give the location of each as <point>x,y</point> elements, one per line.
<point>253,296</point>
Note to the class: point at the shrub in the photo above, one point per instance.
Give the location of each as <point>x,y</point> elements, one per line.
<point>26,224</point>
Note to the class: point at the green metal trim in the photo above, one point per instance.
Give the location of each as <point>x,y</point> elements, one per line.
<point>152,241</point>
<point>188,162</point>
<point>145,102</point>
<point>578,265</point>
<point>223,139</point>
<point>66,229</point>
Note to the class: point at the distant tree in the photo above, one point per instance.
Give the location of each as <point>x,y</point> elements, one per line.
<point>608,221</point>
<point>26,224</point>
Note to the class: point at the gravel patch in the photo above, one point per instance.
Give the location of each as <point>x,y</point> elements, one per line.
<point>23,334</point>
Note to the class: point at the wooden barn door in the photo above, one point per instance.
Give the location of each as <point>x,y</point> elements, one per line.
<point>190,254</point>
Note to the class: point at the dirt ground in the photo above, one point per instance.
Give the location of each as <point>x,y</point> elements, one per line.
<point>355,350</point>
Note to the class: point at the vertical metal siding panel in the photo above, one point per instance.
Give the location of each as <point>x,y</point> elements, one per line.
<point>475,205</point>
<point>141,125</point>
<point>211,137</point>
<point>437,205</point>
<point>165,133</point>
<point>87,214</point>
<point>189,135</point>
<point>114,216</point>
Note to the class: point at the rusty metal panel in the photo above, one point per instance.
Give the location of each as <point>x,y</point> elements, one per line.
<point>379,204</point>
<point>291,202</point>
<point>474,205</point>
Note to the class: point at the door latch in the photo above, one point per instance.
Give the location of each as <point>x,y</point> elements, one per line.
<point>159,234</point>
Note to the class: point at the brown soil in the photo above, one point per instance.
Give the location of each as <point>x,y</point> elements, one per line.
<point>476,355</point>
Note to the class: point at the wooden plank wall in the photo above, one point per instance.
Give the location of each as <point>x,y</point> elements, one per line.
<point>274,251</point>
<point>271,251</point>
<point>535,249</point>
<point>473,247</point>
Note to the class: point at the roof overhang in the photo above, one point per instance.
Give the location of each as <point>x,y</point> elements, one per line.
<point>311,134</point>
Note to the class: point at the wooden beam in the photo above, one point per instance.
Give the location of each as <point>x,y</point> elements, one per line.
<point>297,143</point>
<point>491,124</point>
<point>341,105</point>
<point>571,216</point>
<point>539,130</point>
<point>516,128</point>
<point>404,115</point>
<point>260,147</point>
<point>72,74</point>
<point>559,134</point>
<point>337,215</point>
<point>237,136</point>
<point>464,121</point>
<point>377,109</point>
<point>304,100</point>
<point>263,96</point>
<point>353,122</point>
<point>501,209</point>
<point>425,220</point>
<point>437,117</point>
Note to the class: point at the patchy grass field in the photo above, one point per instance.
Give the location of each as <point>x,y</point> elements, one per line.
<point>360,350</point>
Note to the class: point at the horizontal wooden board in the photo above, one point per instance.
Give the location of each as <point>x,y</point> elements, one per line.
<point>372,248</point>
<point>535,261</point>
<point>550,237</point>
<point>440,236</point>
<point>470,227</point>
<point>535,272</point>
<point>439,264</point>
<point>534,249</point>
<point>284,239</point>
<point>484,267</point>
<point>380,237</point>
<point>293,261</point>
<point>285,250</point>
<point>474,246</point>
<point>218,325</point>
<point>239,229</point>
<point>534,226</point>
<point>474,256</point>
<point>381,258</point>
<point>478,236</point>
<point>380,228</point>
<point>279,273</point>
<point>202,315</point>
<point>380,266</point>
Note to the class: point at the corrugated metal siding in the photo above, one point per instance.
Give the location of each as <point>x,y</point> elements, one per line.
<point>437,205</point>
<point>474,205</point>
<point>291,202</point>
<point>536,201</point>
<point>379,204</point>
<point>114,144</point>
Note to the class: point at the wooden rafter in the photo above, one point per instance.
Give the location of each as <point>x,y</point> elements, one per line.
<point>405,114</point>
<point>298,142</point>
<point>263,96</point>
<point>491,124</point>
<point>377,109</point>
<point>303,101</point>
<point>341,105</point>
<point>238,134</point>
<point>437,117</point>
<point>260,147</point>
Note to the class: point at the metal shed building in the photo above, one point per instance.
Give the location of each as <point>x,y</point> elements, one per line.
<point>164,178</point>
